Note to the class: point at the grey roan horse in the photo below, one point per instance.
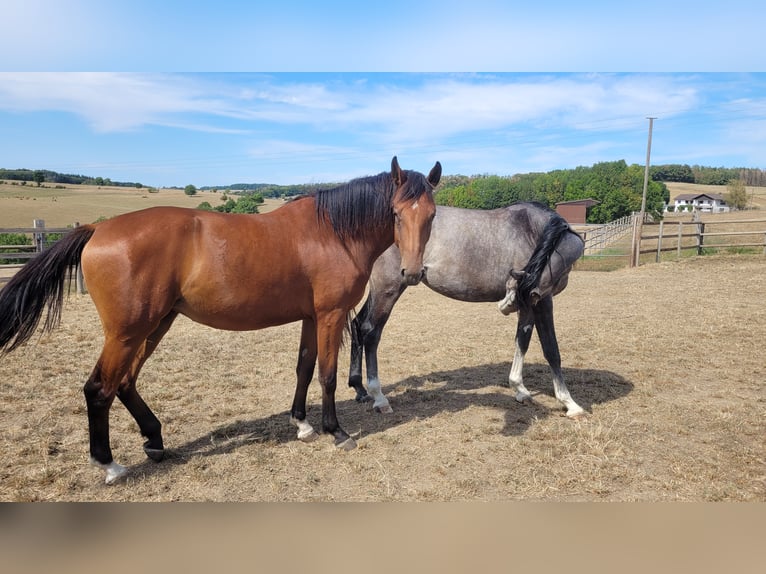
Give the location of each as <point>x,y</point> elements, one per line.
<point>520,255</point>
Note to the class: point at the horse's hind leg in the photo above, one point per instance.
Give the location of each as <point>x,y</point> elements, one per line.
<point>100,390</point>
<point>547,333</point>
<point>524,330</point>
<point>148,424</point>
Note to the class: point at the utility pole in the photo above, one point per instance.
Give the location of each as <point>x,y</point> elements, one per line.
<point>638,229</point>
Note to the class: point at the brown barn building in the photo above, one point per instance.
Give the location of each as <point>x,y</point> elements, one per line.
<point>575,211</point>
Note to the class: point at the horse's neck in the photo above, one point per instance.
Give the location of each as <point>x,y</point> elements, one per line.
<point>366,249</point>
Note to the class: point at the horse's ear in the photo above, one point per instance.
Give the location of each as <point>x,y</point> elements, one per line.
<point>397,173</point>
<point>435,175</point>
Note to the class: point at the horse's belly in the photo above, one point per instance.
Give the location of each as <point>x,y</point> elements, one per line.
<point>473,287</point>
<point>241,316</point>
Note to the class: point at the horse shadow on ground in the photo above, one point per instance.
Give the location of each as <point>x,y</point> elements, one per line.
<point>414,399</point>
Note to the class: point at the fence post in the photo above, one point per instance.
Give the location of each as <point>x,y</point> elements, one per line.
<point>39,236</point>
<point>633,247</point>
<point>659,243</point>
<point>700,237</point>
<point>680,237</point>
<point>79,279</point>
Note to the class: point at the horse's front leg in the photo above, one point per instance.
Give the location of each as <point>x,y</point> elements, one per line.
<point>367,328</point>
<point>307,356</point>
<point>380,402</point>
<point>386,287</point>
<point>357,352</point>
<point>547,333</point>
<point>524,329</point>
<point>329,335</point>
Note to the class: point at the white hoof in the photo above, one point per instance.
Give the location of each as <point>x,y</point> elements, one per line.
<point>384,408</point>
<point>113,470</point>
<point>308,435</point>
<point>306,432</point>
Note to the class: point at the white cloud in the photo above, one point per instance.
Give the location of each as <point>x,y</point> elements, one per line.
<point>437,106</point>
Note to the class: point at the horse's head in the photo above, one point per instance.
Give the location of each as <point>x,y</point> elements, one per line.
<point>414,210</point>
<point>549,285</point>
<point>551,279</point>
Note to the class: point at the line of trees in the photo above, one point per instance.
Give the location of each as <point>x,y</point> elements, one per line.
<point>708,175</point>
<point>41,176</point>
<point>617,186</point>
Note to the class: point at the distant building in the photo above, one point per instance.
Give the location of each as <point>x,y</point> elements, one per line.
<point>704,202</point>
<point>575,211</point>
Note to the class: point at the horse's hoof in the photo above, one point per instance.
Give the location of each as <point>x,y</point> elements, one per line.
<point>306,432</point>
<point>363,398</point>
<point>577,415</point>
<point>383,409</point>
<point>308,436</point>
<point>113,470</point>
<point>348,444</point>
<point>523,398</point>
<point>156,454</point>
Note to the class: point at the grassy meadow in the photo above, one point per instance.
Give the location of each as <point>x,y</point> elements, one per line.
<point>60,206</point>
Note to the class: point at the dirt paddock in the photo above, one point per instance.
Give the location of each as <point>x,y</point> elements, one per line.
<point>667,359</point>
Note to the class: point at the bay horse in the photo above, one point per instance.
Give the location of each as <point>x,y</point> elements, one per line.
<point>307,261</point>
<point>521,255</point>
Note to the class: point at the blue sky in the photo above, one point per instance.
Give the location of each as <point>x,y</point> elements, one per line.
<point>171,93</point>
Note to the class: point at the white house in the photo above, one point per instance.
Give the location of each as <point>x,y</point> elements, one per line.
<point>704,202</point>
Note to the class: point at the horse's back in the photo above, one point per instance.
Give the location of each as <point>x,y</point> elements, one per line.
<point>222,270</point>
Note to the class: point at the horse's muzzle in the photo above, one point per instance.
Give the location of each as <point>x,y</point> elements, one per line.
<point>412,278</point>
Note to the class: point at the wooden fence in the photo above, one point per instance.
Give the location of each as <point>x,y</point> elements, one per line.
<point>667,236</point>
<point>42,238</point>
<point>599,238</point>
<point>702,236</point>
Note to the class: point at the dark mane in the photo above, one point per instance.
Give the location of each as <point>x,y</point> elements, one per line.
<point>365,202</point>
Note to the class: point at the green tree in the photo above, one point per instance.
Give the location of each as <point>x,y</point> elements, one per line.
<point>39,177</point>
<point>190,190</point>
<point>736,195</point>
<point>14,239</point>
<point>248,203</point>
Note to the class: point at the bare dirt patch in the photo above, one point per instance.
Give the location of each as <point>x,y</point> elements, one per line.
<point>667,358</point>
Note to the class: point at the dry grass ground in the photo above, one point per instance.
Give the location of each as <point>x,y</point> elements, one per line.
<point>667,358</point>
<point>21,205</point>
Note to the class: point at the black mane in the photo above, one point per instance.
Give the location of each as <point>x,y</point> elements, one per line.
<point>365,202</point>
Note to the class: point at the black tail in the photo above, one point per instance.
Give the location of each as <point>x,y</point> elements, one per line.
<point>39,283</point>
<point>553,232</point>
